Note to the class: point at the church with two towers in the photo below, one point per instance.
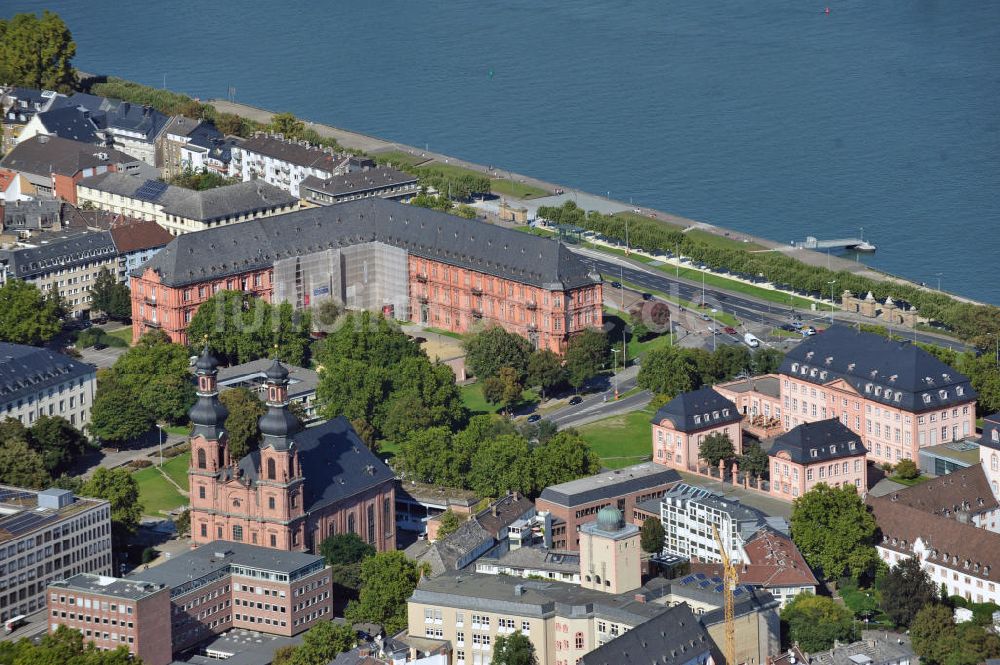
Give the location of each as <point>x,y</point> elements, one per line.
<point>300,486</point>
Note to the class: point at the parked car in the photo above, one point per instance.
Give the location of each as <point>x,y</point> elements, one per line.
<point>706,317</point>
<point>616,285</point>
<point>796,325</point>
<point>647,296</point>
<point>534,418</point>
<point>787,327</point>
<point>574,400</point>
<point>100,346</point>
<point>729,330</point>
<point>751,340</point>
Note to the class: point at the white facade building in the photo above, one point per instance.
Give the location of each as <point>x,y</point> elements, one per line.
<point>36,382</point>
<point>688,514</point>
<point>47,536</point>
<point>286,163</point>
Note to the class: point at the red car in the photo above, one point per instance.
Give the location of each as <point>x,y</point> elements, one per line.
<point>729,330</point>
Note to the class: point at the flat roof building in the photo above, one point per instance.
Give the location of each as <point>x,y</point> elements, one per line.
<point>382,182</point>
<point>47,536</point>
<point>576,502</point>
<point>302,382</point>
<point>194,596</point>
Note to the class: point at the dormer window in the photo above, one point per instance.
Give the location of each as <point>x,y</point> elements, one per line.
<point>943,394</point>
<point>697,419</point>
<point>852,445</point>
<point>795,367</point>
<point>878,391</point>
<point>927,398</point>
<point>833,449</point>
<point>959,390</point>
<point>810,355</point>
<point>850,367</point>
<point>812,373</point>
<point>898,396</point>
<point>715,415</point>
<point>868,387</point>
<point>725,413</point>
<point>888,394</point>
<point>814,453</point>
<point>823,374</point>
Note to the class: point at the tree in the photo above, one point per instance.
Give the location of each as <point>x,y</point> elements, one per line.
<point>287,124</point>
<point>64,646</point>
<point>448,524</point>
<point>906,469</point>
<point>116,415</point>
<point>111,296</point>
<point>669,372</point>
<point>428,456</point>
<point>754,461</point>
<point>119,488</point>
<point>200,180</point>
<point>344,548</point>
<point>586,353</point>
<point>57,441</point>
<point>245,410</point>
<point>835,532</point>
<point>905,590</point>
<point>241,328</point>
<point>934,635</point>
<point>546,371</point>
<point>283,655</point>
<point>493,390</point>
<point>37,52</point>
<point>183,523</point>
<point>716,448</point>
<point>652,535</point>
<point>387,581</point>
<point>514,649</point>
<point>327,312</point>
<point>816,622</point>
<point>26,316</point>
<point>511,388</point>
<point>766,360</point>
<point>488,351</point>
<point>22,466</point>
<point>564,457</point>
<point>323,642</point>
<point>501,464</point>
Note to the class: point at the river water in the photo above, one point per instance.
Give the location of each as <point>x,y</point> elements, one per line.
<point>773,117</point>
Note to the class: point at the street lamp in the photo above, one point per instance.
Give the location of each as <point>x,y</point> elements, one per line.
<point>831,283</point>
<point>159,428</point>
<point>939,280</point>
<point>615,371</point>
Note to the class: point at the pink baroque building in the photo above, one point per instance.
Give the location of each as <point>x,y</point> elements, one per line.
<point>297,488</point>
<point>895,396</point>
<point>680,426</point>
<point>826,451</point>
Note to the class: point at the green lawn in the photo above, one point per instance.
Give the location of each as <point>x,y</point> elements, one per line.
<point>910,482</point>
<point>446,333</point>
<point>156,494</point>
<point>472,397</point>
<point>449,169</point>
<point>620,440</point>
<point>124,334</point>
<point>714,240</point>
<point>711,279</point>
<point>177,468</point>
<point>179,430</point>
<point>517,190</point>
<point>398,158</point>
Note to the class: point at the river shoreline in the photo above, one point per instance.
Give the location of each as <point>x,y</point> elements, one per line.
<point>372,144</point>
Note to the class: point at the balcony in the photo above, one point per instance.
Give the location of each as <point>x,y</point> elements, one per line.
<point>151,323</point>
<point>531,306</point>
<point>421,277</point>
<point>532,327</point>
<point>422,299</point>
<point>150,300</point>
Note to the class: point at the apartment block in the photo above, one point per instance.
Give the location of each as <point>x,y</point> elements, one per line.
<point>36,382</point>
<point>47,536</point>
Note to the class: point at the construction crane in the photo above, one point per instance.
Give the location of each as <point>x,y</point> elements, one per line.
<point>729,581</point>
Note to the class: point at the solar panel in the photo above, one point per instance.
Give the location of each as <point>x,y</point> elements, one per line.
<point>688,579</point>
<point>151,190</point>
<point>7,495</point>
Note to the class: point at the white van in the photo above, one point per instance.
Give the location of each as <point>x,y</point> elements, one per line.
<point>751,340</point>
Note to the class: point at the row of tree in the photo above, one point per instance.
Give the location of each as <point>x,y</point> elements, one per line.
<point>673,370</point>
<point>976,323</point>
<point>490,457</point>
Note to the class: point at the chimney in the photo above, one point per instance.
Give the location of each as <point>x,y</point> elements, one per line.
<point>518,589</point>
<point>640,598</point>
<point>43,138</point>
<point>125,106</point>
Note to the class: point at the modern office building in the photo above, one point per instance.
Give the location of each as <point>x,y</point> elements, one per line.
<point>193,597</point>
<point>47,536</point>
<point>577,502</point>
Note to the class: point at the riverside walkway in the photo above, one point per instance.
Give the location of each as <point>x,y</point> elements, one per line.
<point>372,144</point>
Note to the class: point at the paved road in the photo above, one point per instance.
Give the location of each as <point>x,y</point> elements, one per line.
<point>603,404</point>
<point>754,314</point>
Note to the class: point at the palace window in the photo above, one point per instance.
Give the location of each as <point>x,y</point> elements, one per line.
<point>237,533</point>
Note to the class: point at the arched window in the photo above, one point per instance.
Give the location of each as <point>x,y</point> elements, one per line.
<point>271,473</point>
<point>371,524</point>
<point>270,502</point>
<point>201,458</point>
<point>350,524</point>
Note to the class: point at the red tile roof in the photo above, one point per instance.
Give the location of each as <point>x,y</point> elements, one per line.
<point>774,561</point>
<point>6,177</point>
<point>139,235</point>
<point>951,543</point>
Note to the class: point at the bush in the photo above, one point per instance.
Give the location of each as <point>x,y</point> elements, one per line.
<point>907,469</point>
<point>139,464</point>
<point>149,554</point>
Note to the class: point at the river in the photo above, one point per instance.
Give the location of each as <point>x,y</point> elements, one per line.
<point>773,118</point>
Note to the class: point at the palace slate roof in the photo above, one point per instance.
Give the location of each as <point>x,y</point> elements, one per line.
<point>256,244</point>
<point>336,463</point>
<point>675,637</point>
<point>697,410</point>
<point>69,122</point>
<point>898,374</point>
<point>991,432</point>
<point>818,441</point>
<point>45,155</point>
<point>87,247</point>
<point>25,370</point>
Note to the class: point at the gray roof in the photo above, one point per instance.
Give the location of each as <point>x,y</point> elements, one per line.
<point>818,441</point>
<point>77,249</point>
<point>444,554</point>
<point>114,114</point>
<point>301,381</point>
<point>205,206</point>
<point>257,244</point>
<point>219,556</point>
<point>533,558</point>
<point>708,590</point>
<point>69,122</point>
<point>697,410</point>
<point>991,432</point>
<point>875,648</point>
<point>359,182</point>
<point>131,589</point>
<point>337,464</point>
<point>22,514</point>
<point>25,370</point>
<point>767,385</point>
<point>533,598</point>
<point>899,374</point>
<point>33,214</point>
<point>608,484</point>
<point>44,155</point>
<point>291,151</point>
<point>673,638</point>
<point>242,646</point>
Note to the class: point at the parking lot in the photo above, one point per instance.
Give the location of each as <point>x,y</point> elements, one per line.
<point>103,358</point>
